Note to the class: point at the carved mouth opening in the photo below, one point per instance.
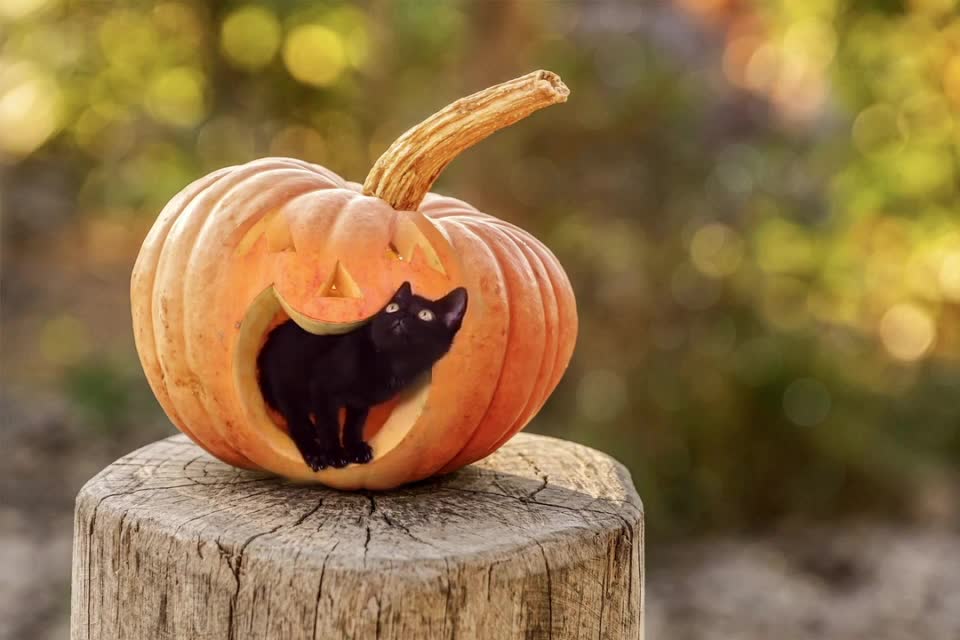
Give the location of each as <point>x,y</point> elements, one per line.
<point>387,424</point>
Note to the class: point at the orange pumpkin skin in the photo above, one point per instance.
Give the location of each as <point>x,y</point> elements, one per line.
<point>242,248</point>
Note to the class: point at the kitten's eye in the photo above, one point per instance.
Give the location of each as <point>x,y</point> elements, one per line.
<point>426,315</point>
<point>393,307</point>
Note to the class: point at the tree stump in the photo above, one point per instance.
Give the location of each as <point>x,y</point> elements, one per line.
<point>544,539</point>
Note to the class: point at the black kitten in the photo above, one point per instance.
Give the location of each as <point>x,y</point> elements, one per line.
<point>302,374</point>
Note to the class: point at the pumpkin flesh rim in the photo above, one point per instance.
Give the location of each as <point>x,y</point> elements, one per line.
<point>265,312</point>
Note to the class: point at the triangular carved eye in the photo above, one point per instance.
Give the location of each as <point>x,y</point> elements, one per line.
<point>275,228</point>
<point>278,234</point>
<point>340,284</point>
<point>407,238</point>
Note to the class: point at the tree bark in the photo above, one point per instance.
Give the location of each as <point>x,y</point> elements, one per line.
<point>543,539</point>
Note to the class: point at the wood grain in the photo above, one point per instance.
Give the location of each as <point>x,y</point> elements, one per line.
<point>543,539</point>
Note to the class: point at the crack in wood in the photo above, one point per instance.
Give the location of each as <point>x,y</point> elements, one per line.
<point>309,513</point>
<point>546,566</point>
<point>237,569</point>
<point>533,494</point>
<point>404,528</point>
<point>191,461</point>
<point>230,505</point>
<point>603,595</point>
<point>522,500</point>
<point>448,587</point>
<point>373,509</point>
<point>323,573</point>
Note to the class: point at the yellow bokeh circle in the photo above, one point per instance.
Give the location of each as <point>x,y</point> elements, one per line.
<point>250,37</point>
<point>314,55</point>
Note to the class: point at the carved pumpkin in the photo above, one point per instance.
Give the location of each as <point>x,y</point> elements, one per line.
<point>247,247</point>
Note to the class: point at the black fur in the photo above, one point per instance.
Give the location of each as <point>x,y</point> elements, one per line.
<point>303,375</point>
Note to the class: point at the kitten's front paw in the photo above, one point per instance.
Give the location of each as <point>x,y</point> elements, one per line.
<point>338,459</point>
<point>319,457</point>
<point>359,453</point>
<point>315,461</point>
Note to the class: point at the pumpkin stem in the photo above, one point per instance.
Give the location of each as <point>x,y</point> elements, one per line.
<point>405,172</point>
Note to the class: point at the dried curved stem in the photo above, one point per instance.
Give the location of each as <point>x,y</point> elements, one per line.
<point>405,172</point>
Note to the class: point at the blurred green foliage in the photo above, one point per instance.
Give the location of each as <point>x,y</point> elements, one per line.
<point>107,393</point>
<point>756,203</point>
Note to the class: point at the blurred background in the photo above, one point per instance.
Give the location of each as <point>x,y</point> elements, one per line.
<point>757,203</point>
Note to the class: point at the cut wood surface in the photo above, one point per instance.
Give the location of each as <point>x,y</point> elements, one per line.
<point>543,539</point>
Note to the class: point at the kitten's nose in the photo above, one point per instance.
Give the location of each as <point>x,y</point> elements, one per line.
<point>398,326</point>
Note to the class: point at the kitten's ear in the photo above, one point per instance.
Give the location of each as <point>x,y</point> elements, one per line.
<point>454,306</point>
<point>403,293</point>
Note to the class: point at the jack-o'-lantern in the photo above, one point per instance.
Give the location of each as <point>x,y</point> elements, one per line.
<point>248,247</point>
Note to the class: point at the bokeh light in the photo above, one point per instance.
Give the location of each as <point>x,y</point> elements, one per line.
<point>176,96</point>
<point>875,129</point>
<point>250,37</point>
<point>30,107</point>
<point>951,79</point>
<point>351,25</point>
<point>716,250</point>
<point>129,41</point>
<point>314,55</point>
<point>949,276</point>
<point>19,9</point>
<point>907,331</point>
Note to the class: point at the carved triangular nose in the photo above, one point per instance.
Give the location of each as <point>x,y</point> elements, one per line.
<point>340,284</point>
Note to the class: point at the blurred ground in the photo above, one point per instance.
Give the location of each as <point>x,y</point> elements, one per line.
<point>756,202</point>
<point>49,457</point>
<point>853,583</point>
